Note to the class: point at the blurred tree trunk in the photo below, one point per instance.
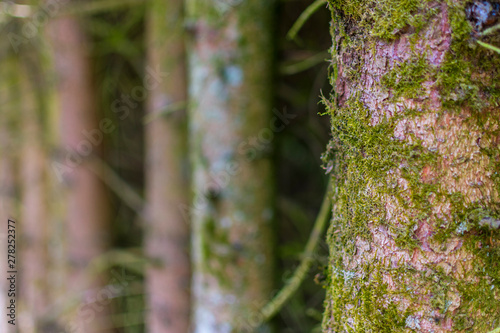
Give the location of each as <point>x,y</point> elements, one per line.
<point>414,240</point>
<point>87,229</point>
<point>56,190</point>
<point>8,162</point>
<point>33,259</point>
<point>167,233</point>
<point>230,60</point>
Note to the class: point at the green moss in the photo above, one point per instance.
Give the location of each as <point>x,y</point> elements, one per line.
<point>361,296</point>
<point>385,18</point>
<point>363,156</point>
<point>470,75</point>
<point>367,156</point>
<point>406,78</point>
<point>216,250</point>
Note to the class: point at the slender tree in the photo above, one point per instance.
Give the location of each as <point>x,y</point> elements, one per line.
<point>34,206</point>
<point>232,209</point>
<point>8,163</point>
<point>167,232</point>
<point>55,191</point>
<point>81,136</point>
<point>414,240</point>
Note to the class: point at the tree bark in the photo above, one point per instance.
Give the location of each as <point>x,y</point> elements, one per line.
<point>33,263</point>
<point>8,175</point>
<point>87,229</point>
<point>414,240</point>
<point>232,209</point>
<point>167,232</point>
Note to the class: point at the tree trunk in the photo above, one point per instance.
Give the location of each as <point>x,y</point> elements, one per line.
<point>414,240</point>
<point>33,261</point>
<point>232,208</point>
<point>81,137</point>
<point>8,162</point>
<point>167,233</point>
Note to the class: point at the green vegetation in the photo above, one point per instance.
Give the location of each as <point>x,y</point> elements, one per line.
<point>372,163</point>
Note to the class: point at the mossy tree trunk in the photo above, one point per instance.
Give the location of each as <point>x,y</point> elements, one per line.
<point>232,208</point>
<point>86,200</point>
<point>167,232</point>
<point>414,241</point>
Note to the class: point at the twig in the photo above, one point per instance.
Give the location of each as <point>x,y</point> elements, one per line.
<point>489,31</point>
<point>292,33</point>
<point>164,112</point>
<point>118,185</point>
<point>275,305</point>
<point>303,65</point>
<point>124,258</point>
<point>489,46</point>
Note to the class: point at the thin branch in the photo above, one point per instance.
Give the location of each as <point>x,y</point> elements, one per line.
<point>275,305</point>
<point>171,108</point>
<point>489,46</point>
<point>292,33</point>
<point>303,65</point>
<point>123,258</point>
<point>489,31</point>
<point>118,185</point>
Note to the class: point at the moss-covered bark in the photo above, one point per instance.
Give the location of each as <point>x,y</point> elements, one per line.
<point>232,213</point>
<point>167,232</point>
<point>415,120</point>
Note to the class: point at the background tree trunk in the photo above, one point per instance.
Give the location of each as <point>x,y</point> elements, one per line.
<point>232,209</point>
<point>33,261</point>
<point>167,232</point>
<point>8,176</point>
<point>414,240</point>
<point>87,233</point>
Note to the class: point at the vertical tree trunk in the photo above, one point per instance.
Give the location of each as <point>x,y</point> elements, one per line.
<point>414,240</point>
<point>232,209</point>
<point>87,229</point>
<point>167,233</point>
<point>55,194</point>
<point>34,209</point>
<point>8,162</point>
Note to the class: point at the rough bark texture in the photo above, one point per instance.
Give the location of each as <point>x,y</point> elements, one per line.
<point>87,203</point>
<point>414,240</point>
<point>232,211</point>
<point>167,232</point>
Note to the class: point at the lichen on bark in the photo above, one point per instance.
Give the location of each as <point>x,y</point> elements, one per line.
<point>230,58</point>
<point>414,244</point>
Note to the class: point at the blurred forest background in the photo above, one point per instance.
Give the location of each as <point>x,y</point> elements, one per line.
<point>85,254</point>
